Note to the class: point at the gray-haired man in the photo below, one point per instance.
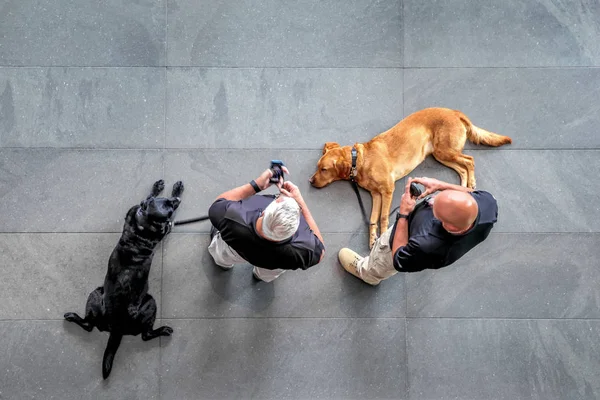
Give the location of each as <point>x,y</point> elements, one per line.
<point>274,233</point>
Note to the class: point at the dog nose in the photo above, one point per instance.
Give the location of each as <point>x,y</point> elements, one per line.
<point>311,179</point>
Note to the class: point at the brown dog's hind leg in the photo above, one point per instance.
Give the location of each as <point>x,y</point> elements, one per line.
<point>469,163</point>
<point>456,162</point>
<point>375,214</point>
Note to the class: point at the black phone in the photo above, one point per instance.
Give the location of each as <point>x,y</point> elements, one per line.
<point>277,171</point>
<point>414,190</point>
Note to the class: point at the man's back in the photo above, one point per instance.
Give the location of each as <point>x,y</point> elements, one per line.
<point>431,246</point>
<point>236,222</point>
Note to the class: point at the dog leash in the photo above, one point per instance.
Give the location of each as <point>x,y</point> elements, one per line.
<point>189,221</point>
<point>414,190</point>
<point>355,186</point>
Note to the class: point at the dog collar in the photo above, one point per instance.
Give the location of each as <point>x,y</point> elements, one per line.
<point>353,169</point>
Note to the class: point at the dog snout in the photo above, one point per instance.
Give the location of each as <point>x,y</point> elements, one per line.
<point>311,179</point>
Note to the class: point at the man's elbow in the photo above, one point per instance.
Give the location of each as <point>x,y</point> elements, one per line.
<point>407,265</point>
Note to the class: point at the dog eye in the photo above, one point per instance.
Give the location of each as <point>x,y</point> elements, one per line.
<point>323,169</point>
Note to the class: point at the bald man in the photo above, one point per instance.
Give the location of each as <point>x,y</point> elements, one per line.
<point>431,235</point>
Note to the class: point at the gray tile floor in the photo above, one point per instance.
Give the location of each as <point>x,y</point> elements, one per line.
<point>99,99</point>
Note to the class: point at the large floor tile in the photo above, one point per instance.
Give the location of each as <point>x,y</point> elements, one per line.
<point>59,360</point>
<point>196,288</point>
<point>285,359</point>
<point>82,107</point>
<point>536,190</point>
<point>537,107</point>
<point>503,359</point>
<point>280,108</point>
<point>461,33</point>
<point>516,276</point>
<point>54,190</point>
<point>46,275</point>
<point>355,33</point>
<point>208,173</point>
<point>82,33</point>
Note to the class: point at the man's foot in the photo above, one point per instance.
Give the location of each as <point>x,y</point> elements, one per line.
<point>255,275</point>
<point>349,260</point>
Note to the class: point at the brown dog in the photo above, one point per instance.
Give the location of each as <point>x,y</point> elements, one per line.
<point>394,153</point>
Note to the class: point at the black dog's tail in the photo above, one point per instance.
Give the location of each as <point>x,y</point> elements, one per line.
<point>114,340</point>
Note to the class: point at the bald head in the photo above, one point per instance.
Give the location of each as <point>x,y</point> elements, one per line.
<point>456,210</point>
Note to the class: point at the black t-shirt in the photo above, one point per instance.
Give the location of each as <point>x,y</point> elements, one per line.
<point>431,246</point>
<point>236,221</point>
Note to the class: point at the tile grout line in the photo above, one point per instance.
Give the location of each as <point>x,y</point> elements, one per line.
<point>532,67</point>
<point>403,33</point>
<point>164,161</point>
<point>593,319</point>
<point>407,356</point>
<point>405,284</point>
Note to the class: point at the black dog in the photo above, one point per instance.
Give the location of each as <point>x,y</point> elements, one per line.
<point>123,306</point>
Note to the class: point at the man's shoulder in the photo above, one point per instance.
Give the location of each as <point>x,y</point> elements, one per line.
<point>483,197</point>
<point>250,203</point>
<point>488,206</point>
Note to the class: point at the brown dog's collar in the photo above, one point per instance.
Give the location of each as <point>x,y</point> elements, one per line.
<point>353,168</point>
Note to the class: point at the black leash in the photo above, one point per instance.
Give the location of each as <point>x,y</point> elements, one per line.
<point>189,221</point>
<point>355,186</point>
<point>414,190</point>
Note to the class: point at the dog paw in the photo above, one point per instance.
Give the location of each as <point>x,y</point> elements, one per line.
<point>166,331</point>
<point>158,187</point>
<point>70,316</point>
<point>177,189</point>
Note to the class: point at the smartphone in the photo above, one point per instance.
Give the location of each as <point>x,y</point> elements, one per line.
<point>277,170</point>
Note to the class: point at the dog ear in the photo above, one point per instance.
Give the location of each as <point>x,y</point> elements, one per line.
<point>329,145</point>
<point>342,168</point>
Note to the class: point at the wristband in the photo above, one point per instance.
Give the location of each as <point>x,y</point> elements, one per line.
<point>255,186</point>
<point>398,216</point>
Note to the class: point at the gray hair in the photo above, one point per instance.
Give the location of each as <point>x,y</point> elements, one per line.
<point>281,219</point>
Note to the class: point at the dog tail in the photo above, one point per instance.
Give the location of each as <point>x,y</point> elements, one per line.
<point>114,340</point>
<point>478,135</point>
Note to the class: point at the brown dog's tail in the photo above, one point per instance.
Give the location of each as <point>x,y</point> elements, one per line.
<point>114,340</point>
<point>478,135</point>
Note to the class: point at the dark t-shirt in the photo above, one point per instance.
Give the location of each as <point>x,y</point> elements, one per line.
<point>431,246</point>
<point>236,221</point>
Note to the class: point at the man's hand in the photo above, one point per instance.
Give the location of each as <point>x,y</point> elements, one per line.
<point>431,185</point>
<point>291,190</point>
<point>263,181</point>
<point>407,203</point>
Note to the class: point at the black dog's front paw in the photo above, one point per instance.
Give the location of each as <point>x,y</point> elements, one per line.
<point>158,187</point>
<point>165,331</point>
<point>177,189</point>
<point>72,317</point>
